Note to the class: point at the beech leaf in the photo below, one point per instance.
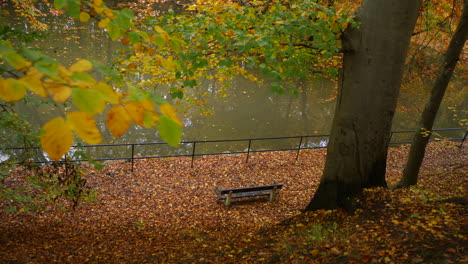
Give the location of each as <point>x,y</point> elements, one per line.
<point>170,131</point>
<point>81,66</point>
<point>169,111</point>
<point>57,138</point>
<point>89,100</point>
<point>84,126</point>
<point>118,120</point>
<point>12,90</point>
<point>135,111</point>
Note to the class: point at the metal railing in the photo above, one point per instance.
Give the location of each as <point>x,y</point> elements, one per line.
<point>191,150</point>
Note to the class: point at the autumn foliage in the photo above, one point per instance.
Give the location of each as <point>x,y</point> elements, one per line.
<point>167,213</point>
<point>32,71</point>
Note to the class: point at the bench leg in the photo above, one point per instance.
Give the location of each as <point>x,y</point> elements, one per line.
<point>228,199</point>
<point>272,194</point>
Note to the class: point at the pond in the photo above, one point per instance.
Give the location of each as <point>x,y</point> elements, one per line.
<point>249,110</point>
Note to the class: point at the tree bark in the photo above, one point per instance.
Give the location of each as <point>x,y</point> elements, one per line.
<point>374,56</point>
<point>421,137</point>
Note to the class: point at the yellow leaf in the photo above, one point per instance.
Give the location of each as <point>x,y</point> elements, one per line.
<point>81,66</point>
<point>15,60</point>
<point>109,94</point>
<point>109,13</point>
<point>12,90</point>
<point>135,111</point>
<point>33,82</point>
<point>103,23</point>
<point>118,120</point>
<point>168,64</point>
<point>57,138</point>
<point>84,17</point>
<point>150,119</point>
<point>64,71</point>
<point>82,80</point>
<point>148,104</point>
<point>168,110</point>
<point>60,93</point>
<point>321,15</point>
<point>97,3</point>
<point>162,32</point>
<point>99,10</point>
<point>84,126</point>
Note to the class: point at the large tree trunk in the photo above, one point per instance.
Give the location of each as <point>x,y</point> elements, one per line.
<point>374,56</point>
<point>420,139</point>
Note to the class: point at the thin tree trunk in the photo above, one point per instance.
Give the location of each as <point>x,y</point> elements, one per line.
<point>421,137</point>
<point>374,56</point>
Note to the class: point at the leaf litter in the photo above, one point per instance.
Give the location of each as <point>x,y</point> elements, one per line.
<point>166,212</point>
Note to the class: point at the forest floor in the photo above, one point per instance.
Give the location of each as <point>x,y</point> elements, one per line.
<point>167,212</point>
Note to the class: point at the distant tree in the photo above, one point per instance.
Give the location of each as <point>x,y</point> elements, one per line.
<point>422,136</point>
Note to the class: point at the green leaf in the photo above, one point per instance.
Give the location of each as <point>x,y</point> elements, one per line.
<point>113,30</point>
<point>89,100</point>
<point>15,60</point>
<point>107,71</point>
<point>82,77</point>
<point>5,46</point>
<point>124,18</point>
<point>46,67</point>
<point>73,7</point>
<point>34,55</point>
<point>177,93</point>
<point>143,35</point>
<point>134,37</point>
<point>136,94</point>
<point>159,100</point>
<point>225,63</point>
<point>170,131</point>
<point>277,88</point>
<point>59,4</point>
<point>176,44</point>
<point>415,216</point>
<point>190,83</point>
<point>159,41</point>
<point>11,210</point>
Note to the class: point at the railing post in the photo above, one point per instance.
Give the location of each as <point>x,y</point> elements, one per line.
<point>133,152</point>
<point>464,138</point>
<point>193,153</point>
<point>248,151</point>
<point>65,163</point>
<point>299,148</point>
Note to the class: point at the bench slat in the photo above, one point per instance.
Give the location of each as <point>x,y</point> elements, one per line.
<point>266,190</point>
<point>251,189</point>
<point>247,194</point>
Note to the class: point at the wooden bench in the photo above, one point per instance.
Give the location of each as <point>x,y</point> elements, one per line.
<point>267,190</point>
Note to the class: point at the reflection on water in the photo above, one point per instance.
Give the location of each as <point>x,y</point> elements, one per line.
<point>4,157</point>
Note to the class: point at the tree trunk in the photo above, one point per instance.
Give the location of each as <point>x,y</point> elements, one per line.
<point>374,56</point>
<point>421,137</point>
